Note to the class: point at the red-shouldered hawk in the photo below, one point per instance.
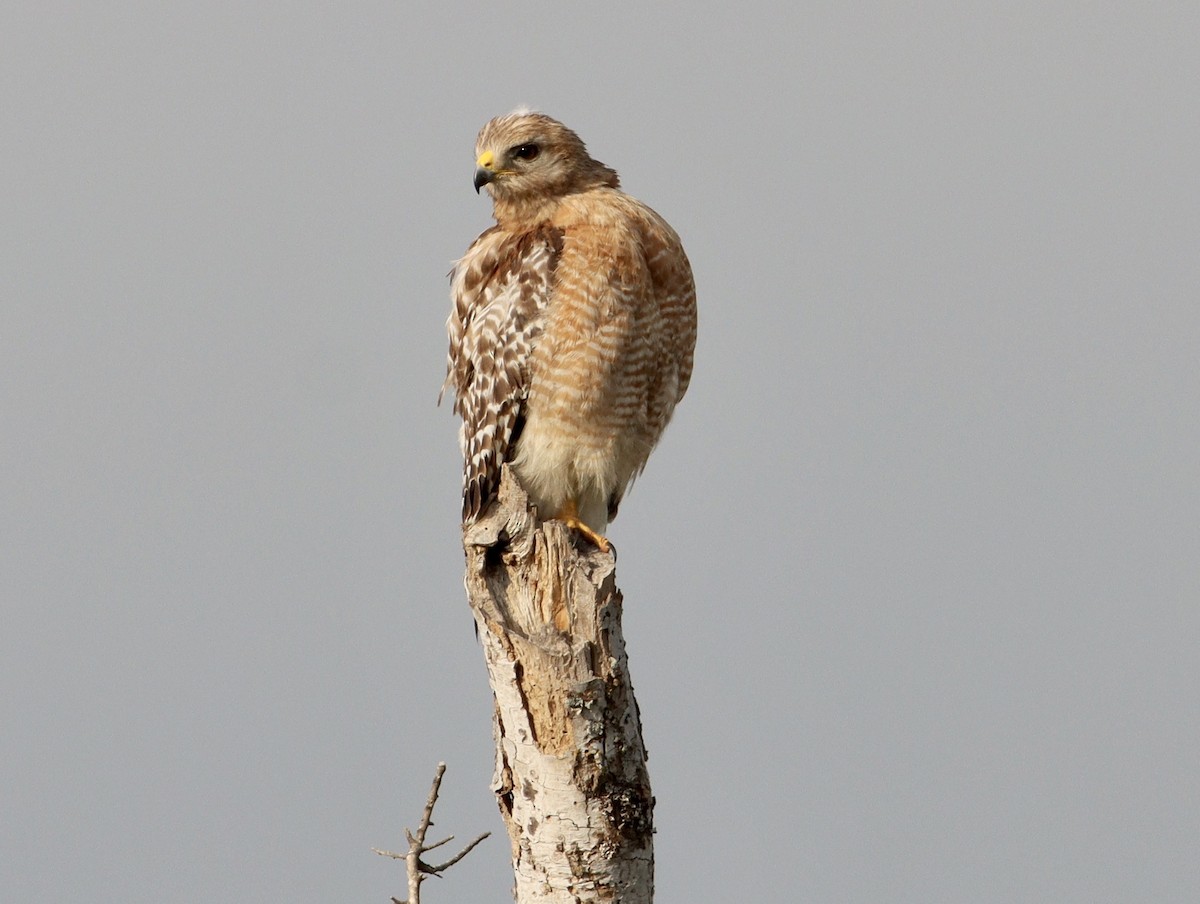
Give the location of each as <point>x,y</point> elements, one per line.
<point>572,330</point>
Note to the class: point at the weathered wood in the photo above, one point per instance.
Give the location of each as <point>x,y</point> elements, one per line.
<point>571,776</point>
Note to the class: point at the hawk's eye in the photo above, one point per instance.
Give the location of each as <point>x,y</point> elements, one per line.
<point>526,151</point>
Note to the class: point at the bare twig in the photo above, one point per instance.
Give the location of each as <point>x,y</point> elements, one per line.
<point>438,844</point>
<point>418,869</point>
<point>442,867</point>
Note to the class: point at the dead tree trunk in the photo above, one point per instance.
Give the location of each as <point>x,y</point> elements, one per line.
<point>571,776</point>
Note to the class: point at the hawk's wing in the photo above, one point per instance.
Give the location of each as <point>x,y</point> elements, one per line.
<point>500,289</point>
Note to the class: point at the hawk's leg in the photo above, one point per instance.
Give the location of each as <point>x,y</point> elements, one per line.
<point>569,515</point>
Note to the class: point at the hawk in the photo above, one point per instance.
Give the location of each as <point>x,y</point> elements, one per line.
<point>572,328</point>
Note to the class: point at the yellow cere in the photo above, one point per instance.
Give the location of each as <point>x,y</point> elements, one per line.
<point>486,159</point>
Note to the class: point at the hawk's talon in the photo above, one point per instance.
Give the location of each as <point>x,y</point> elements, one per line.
<point>600,541</point>
<point>570,517</point>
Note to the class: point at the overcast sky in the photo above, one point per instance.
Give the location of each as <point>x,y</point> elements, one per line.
<point>912,583</point>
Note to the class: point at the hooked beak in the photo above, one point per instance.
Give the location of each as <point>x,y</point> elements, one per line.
<point>483,176</point>
<point>485,170</point>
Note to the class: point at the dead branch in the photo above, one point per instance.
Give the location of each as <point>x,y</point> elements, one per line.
<point>418,870</point>
<point>571,777</point>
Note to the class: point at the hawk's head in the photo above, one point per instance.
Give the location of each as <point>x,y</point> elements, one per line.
<point>527,156</point>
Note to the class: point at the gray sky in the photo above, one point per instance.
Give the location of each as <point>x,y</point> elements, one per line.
<point>912,582</point>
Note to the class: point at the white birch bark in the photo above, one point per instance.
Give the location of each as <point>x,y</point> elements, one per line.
<point>571,776</point>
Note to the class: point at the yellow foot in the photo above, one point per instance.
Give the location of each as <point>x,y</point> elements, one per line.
<point>600,541</point>
<point>570,517</point>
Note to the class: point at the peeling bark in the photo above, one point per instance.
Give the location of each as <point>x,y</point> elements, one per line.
<point>571,776</point>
